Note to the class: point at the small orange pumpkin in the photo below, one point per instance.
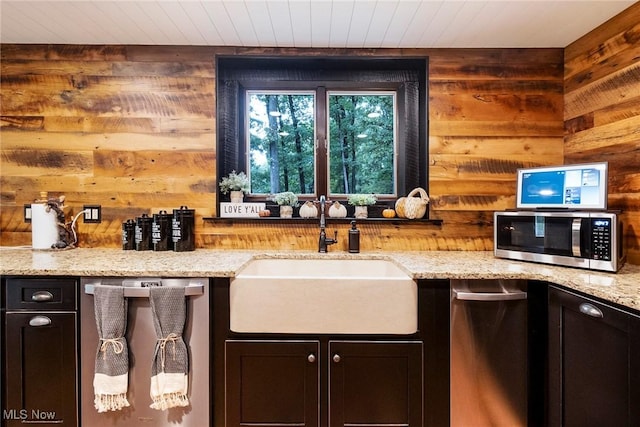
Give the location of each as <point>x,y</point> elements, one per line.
<point>264,213</point>
<point>389,213</point>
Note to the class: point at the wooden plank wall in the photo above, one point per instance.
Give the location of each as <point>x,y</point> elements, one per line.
<point>122,126</point>
<point>133,128</point>
<point>602,112</point>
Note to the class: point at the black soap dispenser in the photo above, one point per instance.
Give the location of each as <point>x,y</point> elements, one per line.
<point>354,239</point>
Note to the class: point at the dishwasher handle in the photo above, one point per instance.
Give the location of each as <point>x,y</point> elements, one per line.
<point>489,296</point>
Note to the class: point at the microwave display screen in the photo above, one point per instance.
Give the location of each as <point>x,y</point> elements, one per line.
<point>571,186</point>
<point>539,226</point>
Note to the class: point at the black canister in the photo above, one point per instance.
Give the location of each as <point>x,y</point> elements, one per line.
<point>129,235</point>
<point>161,230</point>
<point>184,229</point>
<point>143,232</point>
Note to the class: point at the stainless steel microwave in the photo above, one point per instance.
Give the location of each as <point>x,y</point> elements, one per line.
<point>591,240</point>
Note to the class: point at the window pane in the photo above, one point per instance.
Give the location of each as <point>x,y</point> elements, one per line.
<point>362,143</point>
<point>281,133</point>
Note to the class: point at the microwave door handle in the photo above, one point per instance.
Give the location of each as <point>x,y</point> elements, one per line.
<point>576,244</point>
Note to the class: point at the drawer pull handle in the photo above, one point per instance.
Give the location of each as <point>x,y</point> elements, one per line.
<point>311,358</point>
<point>590,310</point>
<point>489,296</point>
<point>41,296</point>
<point>337,358</point>
<point>39,321</point>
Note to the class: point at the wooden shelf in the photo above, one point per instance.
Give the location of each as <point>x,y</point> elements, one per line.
<point>329,221</point>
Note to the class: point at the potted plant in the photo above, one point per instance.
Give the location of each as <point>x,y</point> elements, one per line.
<point>236,183</point>
<point>286,200</point>
<point>361,201</point>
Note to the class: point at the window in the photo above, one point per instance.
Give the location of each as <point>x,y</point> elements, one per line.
<point>323,126</point>
<point>358,156</point>
<point>280,135</point>
<point>362,143</point>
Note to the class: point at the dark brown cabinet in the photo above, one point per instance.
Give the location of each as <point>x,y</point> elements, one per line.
<point>40,352</point>
<point>375,383</point>
<point>283,383</point>
<point>594,362</point>
<point>272,383</point>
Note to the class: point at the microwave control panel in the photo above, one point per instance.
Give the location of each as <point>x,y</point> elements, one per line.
<point>601,239</point>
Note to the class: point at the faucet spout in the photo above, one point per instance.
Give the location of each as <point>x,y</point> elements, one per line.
<point>324,241</point>
<point>322,217</point>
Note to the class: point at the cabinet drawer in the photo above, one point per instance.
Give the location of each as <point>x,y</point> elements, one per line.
<point>590,308</point>
<point>41,294</point>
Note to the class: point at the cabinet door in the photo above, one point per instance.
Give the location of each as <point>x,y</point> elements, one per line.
<point>375,383</point>
<point>41,374</point>
<point>594,363</point>
<point>272,383</point>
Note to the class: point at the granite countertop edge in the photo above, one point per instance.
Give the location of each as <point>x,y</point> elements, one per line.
<point>622,288</point>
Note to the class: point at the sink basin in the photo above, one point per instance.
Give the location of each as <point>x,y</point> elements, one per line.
<point>323,296</point>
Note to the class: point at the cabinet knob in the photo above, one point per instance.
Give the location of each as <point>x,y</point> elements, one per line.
<point>39,321</point>
<point>41,296</point>
<point>311,358</point>
<point>337,358</point>
<point>590,310</point>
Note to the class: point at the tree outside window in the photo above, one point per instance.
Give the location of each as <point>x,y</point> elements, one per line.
<point>281,133</point>
<point>362,143</point>
<point>361,148</point>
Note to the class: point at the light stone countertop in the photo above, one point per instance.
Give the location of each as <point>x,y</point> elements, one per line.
<point>622,288</point>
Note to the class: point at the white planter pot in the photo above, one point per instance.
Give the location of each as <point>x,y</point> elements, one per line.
<point>361,212</point>
<point>237,196</point>
<point>286,211</point>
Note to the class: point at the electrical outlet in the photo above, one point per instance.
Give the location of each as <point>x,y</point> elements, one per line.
<point>92,213</point>
<point>27,213</point>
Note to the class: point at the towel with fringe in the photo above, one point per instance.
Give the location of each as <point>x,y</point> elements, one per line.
<point>170,369</point>
<point>111,376</point>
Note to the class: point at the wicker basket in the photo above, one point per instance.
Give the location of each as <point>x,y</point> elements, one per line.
<point>411,207</point>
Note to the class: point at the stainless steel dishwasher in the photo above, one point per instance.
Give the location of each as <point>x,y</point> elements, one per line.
<point>141,340</point>
<point>489,353</point>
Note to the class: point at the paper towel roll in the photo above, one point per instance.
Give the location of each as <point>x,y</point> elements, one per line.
<point>44,227</point>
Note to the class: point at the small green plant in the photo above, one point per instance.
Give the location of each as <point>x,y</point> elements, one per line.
<point>286,198</point>
<point>235,182</point>
<point>362,199</point>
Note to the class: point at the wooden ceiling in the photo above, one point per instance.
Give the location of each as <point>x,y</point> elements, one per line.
<point>306,23</point>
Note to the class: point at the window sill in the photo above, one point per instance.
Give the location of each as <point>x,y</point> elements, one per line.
<point>315,221</point>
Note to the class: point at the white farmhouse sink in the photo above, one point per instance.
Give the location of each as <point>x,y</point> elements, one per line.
<point>324,296</point>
